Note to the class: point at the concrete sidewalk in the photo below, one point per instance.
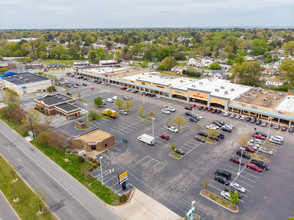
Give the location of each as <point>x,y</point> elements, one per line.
<point>144,207</point>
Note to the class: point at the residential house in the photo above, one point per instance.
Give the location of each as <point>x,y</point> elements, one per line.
<point>218,74</point>
<point>273,81</point>
<point>191,62</point>
<point>178,69</point>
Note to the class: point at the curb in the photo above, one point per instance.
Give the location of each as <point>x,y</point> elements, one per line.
<point>174,156</point>
<point>9,203</point>
<point>217,202</point>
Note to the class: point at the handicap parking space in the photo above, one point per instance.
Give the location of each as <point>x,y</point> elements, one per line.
<point>150,165</point>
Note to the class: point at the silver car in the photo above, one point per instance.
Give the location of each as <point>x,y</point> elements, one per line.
<point>238,187</point>
<point>226,195</point>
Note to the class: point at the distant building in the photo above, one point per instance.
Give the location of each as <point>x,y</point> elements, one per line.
<point>192,62</point>
<point>34,66</point>
<point>218,74</point>
<point>178,69</point>
<point>7,64</point>
<point>25,83</point>
<point>275,82</point>
<point>58,104</point>
<point>107,62</point>
<point>55,65</point>
<point>81,64</point>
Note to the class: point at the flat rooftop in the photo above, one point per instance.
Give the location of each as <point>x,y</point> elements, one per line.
<point>93,136</point>
<point>257,96</point>
<point>287,104</point>
<point>67,107</point>
<point>24,78</point>
<point>54,99</point>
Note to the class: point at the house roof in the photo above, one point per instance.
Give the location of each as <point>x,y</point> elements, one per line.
<point>273,79</point>
<point>54,99</point>
<point>94,136</point>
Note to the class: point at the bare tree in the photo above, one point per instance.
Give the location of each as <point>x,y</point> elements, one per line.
<point>42,198</point>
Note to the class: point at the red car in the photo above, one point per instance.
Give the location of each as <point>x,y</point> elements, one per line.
<point>259,136</point>
<point>92,88</point>
<point>123,88</point>
<point>164,136</point>
<point>237,160</point>
<point>254,167</point>
<point>248,148</point>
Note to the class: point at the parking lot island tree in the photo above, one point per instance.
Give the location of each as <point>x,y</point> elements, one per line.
<point>234,197</point>
<point>173,147</point>
<point>151,114</point>
<point>179,121</point>
<point>118,103</point>
<point>205,184</point>
<point>140,111</point>
<point>127,105</point>
<point>93,115</point>
<point>166,122</point>
<point>98,101</point>
<point>79,95</point>
<point>243,140</point>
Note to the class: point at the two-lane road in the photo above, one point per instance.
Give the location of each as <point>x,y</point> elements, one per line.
<point>66,197</point>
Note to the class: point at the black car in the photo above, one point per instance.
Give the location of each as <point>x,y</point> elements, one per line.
<point>218,111</point>
<point>253,120</point>
<point>223,173</point>
<point>226,129</point>
<point>213,111</point>
<point>260,163</point>
<point>247,119</point>
<point>188,108</point>
<point>213,138</point>
<point>84,84</point>
<point>69,93</point>
<point>188,114</point>
<point>258,122</point>
<point>200,107</point>
<point>221,122</point>
<point>198,138</point>
<point>233,190</point>
<point>193,119</point>
<point>244,155</point>
<point>220,135</point>
<point>202,134</point>
<point>221,180</point>
<point>291,129</point>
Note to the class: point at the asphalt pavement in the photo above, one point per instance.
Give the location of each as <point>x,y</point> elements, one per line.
<point>6,211</point>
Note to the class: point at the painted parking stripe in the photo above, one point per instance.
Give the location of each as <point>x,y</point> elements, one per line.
<point>241,175</point>
<point>244,183</point>
<point>223,190</point>
<point>143,159</point>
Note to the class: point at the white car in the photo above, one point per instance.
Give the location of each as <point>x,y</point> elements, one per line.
<point>123,112</point>
<point>109,100</point>
<point>256,141</point>
<point>172,128</point>
<point>199,116</point>
<point>278,138</point>
<point>226,114</point>
<point>238,187</point>
<point>226,195</point>
<point>171,109</point>
<point>243,118</point>
<point>254,146</point>
<point>265,151</point>
<point>276,141</point>
<point>115,97</point>
<point>165,111</point>
<point>212,127</point>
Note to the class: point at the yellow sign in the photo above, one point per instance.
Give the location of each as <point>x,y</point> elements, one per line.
<point>123,174</point>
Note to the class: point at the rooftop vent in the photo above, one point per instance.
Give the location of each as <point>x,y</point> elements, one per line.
<point>222,87</point>
<point>226,92</point>
<point>194,86</point>
<point>181,81</point>
<point>275,98</point>
<point>217,90</point>
<point>265,99</point>
<point>232,90</point>
<point>200,83</point>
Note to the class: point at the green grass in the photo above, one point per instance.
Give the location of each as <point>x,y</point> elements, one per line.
<point>66,62</point>
<point>82,100</point>
<point>85,128</point>
<point>28,204</point>
<point>146,118</point>
<point>176,155</point>
<point>220,200</point>
<point>73,167</point>
<point>13,124</point>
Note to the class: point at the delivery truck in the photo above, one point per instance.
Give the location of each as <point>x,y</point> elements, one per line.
<point>145,138</point>
<point>112,115</point>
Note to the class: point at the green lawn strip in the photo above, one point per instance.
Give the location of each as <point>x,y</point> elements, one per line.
<point>209,140</point>
<point>28,205</point>
<point>176,155</point>
<point>259,157</point>
<point>13,124</point>
<point>81,100</point>
<point>221,201</point>
<point>146,118</point>
<point>66,62</point>
<point>85,128</point>
<point>73,167</point>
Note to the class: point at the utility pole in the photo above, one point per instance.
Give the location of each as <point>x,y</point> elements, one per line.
<point>32,127</point>
<point>1,89</point>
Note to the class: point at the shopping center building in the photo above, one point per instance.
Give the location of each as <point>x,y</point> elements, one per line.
<point>216,93</point>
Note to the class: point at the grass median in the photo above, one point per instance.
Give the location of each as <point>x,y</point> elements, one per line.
<point>27,206</point>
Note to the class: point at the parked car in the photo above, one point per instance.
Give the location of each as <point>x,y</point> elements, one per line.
<point>200,107</point>
<point>165,111</point>
<point>256,141</point>
<point>226,114</point>
<point>265,151</point>
<point>247,119</point>
<point>233,115</point>
<point>125,97</point>
<point>247,148</point>
<point>244,155</point>
<point>223,173</point>
<point>202,134</point>
<point>212,127</point>
<point>123,112</point>
<point>213,111</point>
<point>233,190</point>
<point>261,133</point>
<point>259,136</point>
<point>193,119</point>
<point>237,160</point>
<point>253,120</point>
<point>243,118</point>
<point>188,108</point>
<point>169,108</point>
<point>213,138</point>
<point>109,100</point>
<point>238,187</point>
<point>237,116</point>
<point>69,93</point>
<point>284,128</point>
<point>226,129</point>
<point>291,129</point>
<point>198,138</point>
<point>164,136</point>
<point>277,127</point>
<point>217,123</point>
<point>276,141</point>
<point>171,128</point>
<point>92,88</point>
<point>221,122</point>
<point>258,122</point>
<point>123,88</point>
<point>260,163</point>
<point>84,84</point>
<point>226,195</point>
<point>222,180</point>
<point>188,113</point>
<point>264,124</point>
<point>278,137</point>
<point>254,167</point>
<point>180,151</point>
<point>218,111</point>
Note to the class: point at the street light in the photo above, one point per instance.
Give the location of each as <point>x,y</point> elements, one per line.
<point>238,174</point>
<point>87,111</point>
<point>269,126</point>
<point>192,204</point>
<point>153,126</point>
<point>100,160</point>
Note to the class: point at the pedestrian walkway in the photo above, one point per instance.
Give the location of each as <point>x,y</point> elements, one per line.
<point>144,207</point>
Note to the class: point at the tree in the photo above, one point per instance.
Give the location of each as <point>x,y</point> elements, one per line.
<point>118,103</point>
<point>48,120</point>
<point>51,89</point>
<point>3,70</point>
<point>140,110</point>
<point>79,95</point>
<point>179,121</point>
<point>98,101</point>
<point>205,184</point>
<point>166,122</point>
<point>289,47</point>
<point>168,62</point>
<point>213,133</point>
<point>42,198</point>
<point>57,139</point>
<point>127,105</point>
<point>42,138</point>
<point>248,72</point>
<point>92,56</point>
<point>33,117</point>
<point>10,97</point>
<point>215,66</point>
<point>243,140</point>
<point>234,197</point>
<point>173,147</point>
<point>151,114</point>
<point>93,115</point>
<point>287,70</point>
<point>118,56</point>
<point>161,67</point>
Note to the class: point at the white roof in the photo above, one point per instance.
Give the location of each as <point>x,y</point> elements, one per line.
<point>287,104</point>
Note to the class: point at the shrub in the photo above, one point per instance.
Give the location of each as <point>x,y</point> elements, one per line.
<point>98,164</point>
<point>191,73</point>
<point>81,159</point>
<point>123,198</point>
<point>94,167</point>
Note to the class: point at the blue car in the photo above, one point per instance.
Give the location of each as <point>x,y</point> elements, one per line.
<point>193,119</point>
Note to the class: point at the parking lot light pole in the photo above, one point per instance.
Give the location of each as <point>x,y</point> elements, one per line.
<point>100,160</point>
<point>143,98</point>
<point>192,204</point>
<point>240,163</point>
<point>153,126</point>
<point>269,126</point>
<point>87,111</point>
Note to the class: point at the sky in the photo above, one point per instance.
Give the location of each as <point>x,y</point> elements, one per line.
<point>56,14</point>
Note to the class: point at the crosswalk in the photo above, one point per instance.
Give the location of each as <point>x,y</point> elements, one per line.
<point>97,123</point>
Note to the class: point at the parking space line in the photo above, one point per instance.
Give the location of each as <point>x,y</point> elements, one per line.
<point>143,159</point>
<point>245,183</point>
<point>163,165</point>
<point>148,162</point>
<point>223,190</point>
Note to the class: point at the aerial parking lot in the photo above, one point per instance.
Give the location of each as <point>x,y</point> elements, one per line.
<point>176,182</point>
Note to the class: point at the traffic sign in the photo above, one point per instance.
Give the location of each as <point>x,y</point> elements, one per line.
<point>123,177</point>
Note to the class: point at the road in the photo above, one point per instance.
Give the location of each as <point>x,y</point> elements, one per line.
<point>66,197</point>
<point>6,212</point>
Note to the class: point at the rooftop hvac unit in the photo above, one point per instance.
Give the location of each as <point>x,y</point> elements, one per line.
<point>200,83</point>
<point>181,81</point>
<point>194,86</point>
<point>265,99</point>
<point>232,89</point>
<point>217,90</point>
<point>226,92</point>
<point>64,99</point>
<point>20,77</point>
<point>275,98</point>
<point>222,87</point>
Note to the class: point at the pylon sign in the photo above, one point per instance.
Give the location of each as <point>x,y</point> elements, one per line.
<point>123,177</point>
<point>190,214</point>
